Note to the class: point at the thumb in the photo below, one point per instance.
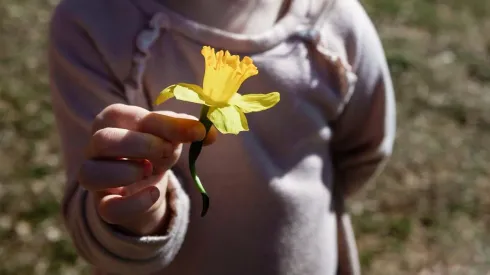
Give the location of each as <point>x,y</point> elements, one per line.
<point>121,210</point>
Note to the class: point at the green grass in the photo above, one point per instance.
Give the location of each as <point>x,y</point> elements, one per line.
<point>428,212</point>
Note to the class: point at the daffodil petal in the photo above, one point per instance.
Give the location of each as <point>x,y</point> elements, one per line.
<point>189,92</point>
<point>228,120</point>
<point>182,91</point>
<point>255,102</point>
<point>165,95</point>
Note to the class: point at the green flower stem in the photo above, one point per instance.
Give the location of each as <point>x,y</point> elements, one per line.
<point>194,152</point>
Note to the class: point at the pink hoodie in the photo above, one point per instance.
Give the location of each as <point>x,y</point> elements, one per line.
<point>278,191</point>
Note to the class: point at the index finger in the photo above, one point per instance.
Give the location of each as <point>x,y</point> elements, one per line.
<point>119,116</point>
<point>173,127</point>
<point>176,128</point>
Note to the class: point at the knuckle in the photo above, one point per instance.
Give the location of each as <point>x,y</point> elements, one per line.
<point>110,113</point>
<point>103,139</point>
<point>114,110</point>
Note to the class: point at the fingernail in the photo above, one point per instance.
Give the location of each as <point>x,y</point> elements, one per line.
<point>148,168</point>
<point>154,194</point>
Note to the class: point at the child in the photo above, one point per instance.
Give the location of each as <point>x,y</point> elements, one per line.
<point>277,191</point>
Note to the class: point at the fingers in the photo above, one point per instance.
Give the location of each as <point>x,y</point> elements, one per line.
<point>118,209</point>
<point>128,145</point>
<point>119,116</point>
<point>109,143</point>
<point>163,164</point>
<point>210,137</point>
<point>173,127</point>
<point>117,142</point>
<point>170,126</point>
<point>138,209</point>
<point>122,131</point>
<point>96,175</point>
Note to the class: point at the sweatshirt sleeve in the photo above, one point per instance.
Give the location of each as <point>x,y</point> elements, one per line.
<point>364,132</point>
<point>82,85</point>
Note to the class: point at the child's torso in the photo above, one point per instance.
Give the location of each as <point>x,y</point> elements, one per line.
<point>271,187</point>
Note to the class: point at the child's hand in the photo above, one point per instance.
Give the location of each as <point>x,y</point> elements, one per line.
<point>129,153</point>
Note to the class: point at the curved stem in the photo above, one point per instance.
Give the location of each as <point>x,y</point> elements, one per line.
<point>194,152</point>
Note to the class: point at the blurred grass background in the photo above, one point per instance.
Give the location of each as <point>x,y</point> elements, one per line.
<point>427,214</point>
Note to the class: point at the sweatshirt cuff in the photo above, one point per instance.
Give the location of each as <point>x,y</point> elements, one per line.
<point>125,254</point>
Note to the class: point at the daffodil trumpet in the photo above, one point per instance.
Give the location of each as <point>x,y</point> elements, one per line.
<point>222,105</point>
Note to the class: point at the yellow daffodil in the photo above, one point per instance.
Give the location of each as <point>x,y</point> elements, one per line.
<point>223,106</point>
<point>224,74</point>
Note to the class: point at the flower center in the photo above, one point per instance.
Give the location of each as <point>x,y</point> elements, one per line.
<point>224,74</point>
